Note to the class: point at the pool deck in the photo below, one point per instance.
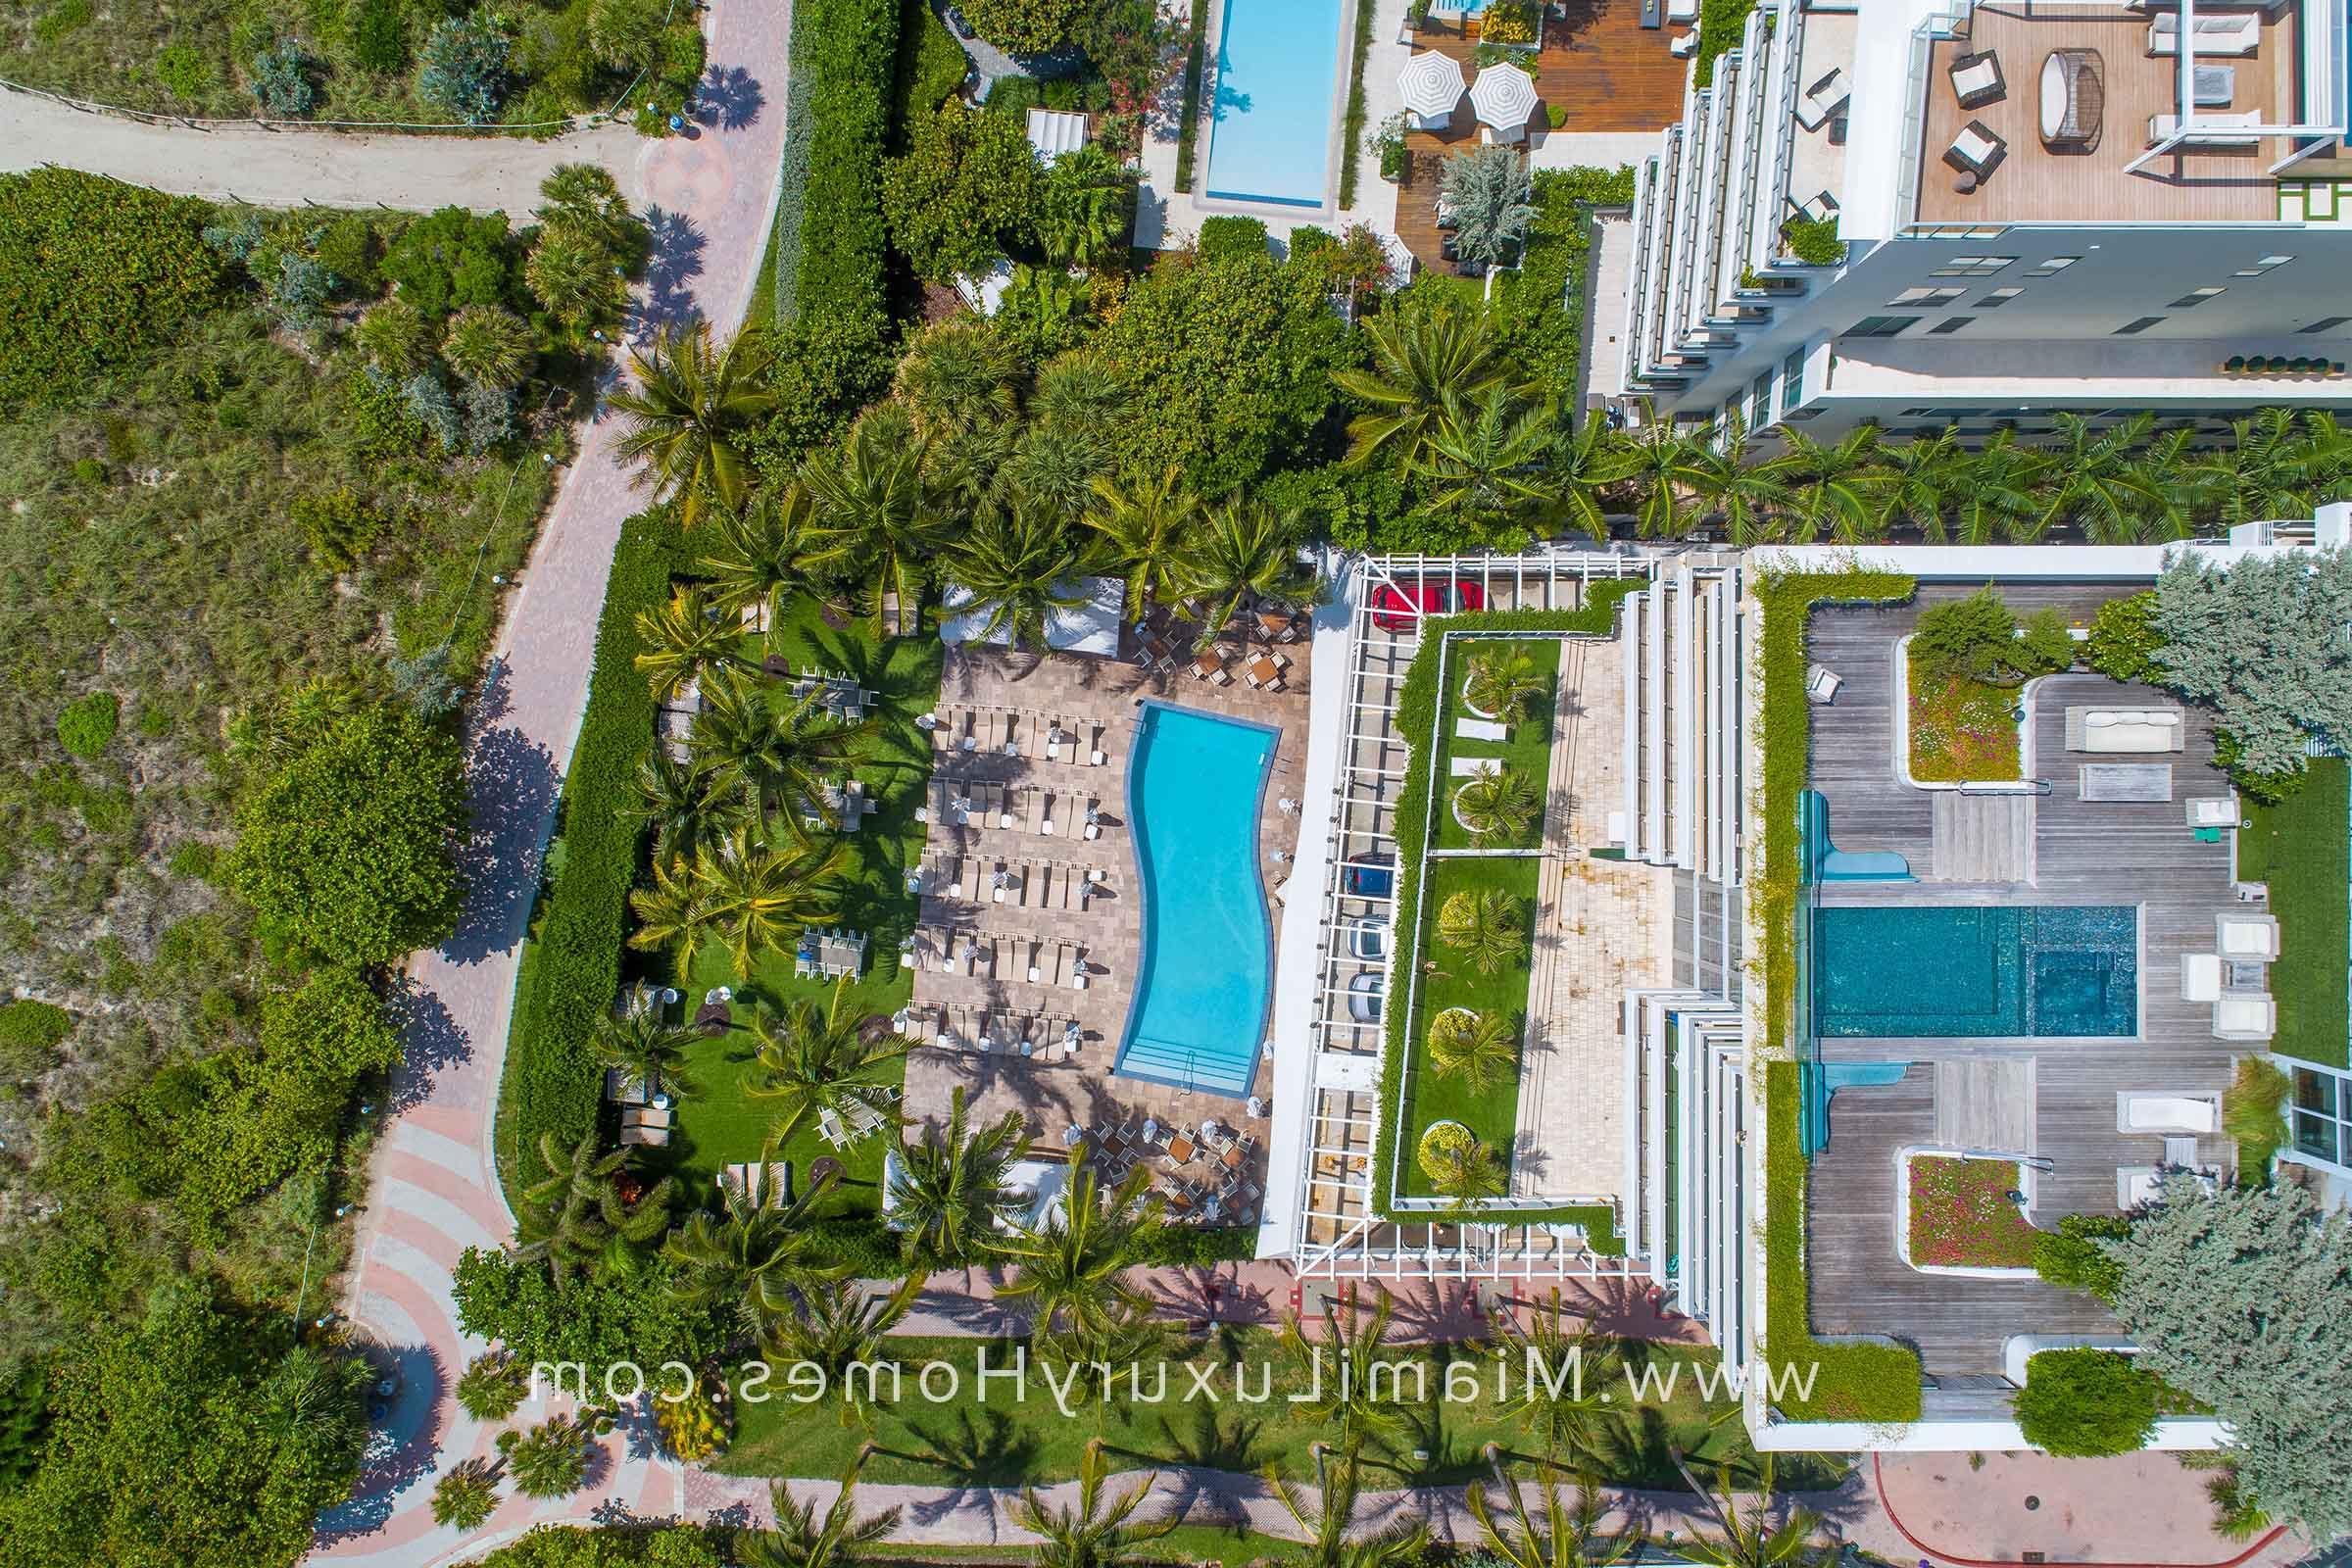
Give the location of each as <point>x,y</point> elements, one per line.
<point>1051,1095</point>
<point>2060,1091</point>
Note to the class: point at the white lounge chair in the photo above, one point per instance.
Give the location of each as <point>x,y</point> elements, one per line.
<point>2154,1111</point>
<point>1480,729</point>
<point>2247,1015</point>
<point>1823,99</point>
<point>2247,937</point>
<point>1472,767</point>
<point>1978,149</point>
<point>2201,977</point>
<point>1822,683</point>
<point>2235,32</point>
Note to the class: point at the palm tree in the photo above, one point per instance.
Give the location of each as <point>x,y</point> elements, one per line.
<point>648,1050</point>
<point>393,337</point>
<point>1498,804</point>
<point>1424,357</point>
<point>1348,1400</point>
<point>1019,566</point>
<point>584,199</point>
<point>1486,189</point>
<point>1079,390</point>
<point>1505,682</point>
<point>802,1541</point>
<point>1488,925</point>
<point>549,1461</point>
<point>1241,555</point>
<point>834,1325</point>
<point>1084,207</point>
<point>1919,478</point>
<point>1994,495</point>
<point>688,413</point>
<point>1468,1171</point>
<point>877,518</point>
<point>1745,497</point>
<point>819,1062</point>
<point>488,345</point>
<point>761,553</point>
<point>465,1497</point>
<point>1479,1047</point>
<point>753,1254</point>
<point>956,375</point>
<point>1054,468</point>
<point>2275,466</point>
<point>1670,465</point>
<point>1487,464</point>
<point>1748,1537</point>
<point>683,639</point>
<point>1072,1269</point>
<point>573,275</point>
<point>1570,1536</point>
<point>762,749</point>
<point>1143,523</point>
<point>2093,478</point>
<point>675,913</point>
<point>586,1204</point>
<point>1098,1532</point>
<point>1583,466</point>
<point>1565,1357</point>
<point>966,468</point>
<point>1837,487</point>
<point>756,896</point>
<point>952,1192</point>
<point>1329,1522</point>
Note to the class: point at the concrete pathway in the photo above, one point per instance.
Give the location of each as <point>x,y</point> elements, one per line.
<point>433,1189</point>
<point>318,168</point>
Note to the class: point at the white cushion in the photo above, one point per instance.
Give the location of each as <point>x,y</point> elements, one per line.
<point>2159,716</point>
<point>2103,721</point>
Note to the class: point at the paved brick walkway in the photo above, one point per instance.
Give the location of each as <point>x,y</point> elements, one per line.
<point>433,1187</point>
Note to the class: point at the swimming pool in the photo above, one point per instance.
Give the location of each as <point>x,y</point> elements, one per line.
<point>1205,973</point>
<point>1269,137</point>
<point>2041,970</point>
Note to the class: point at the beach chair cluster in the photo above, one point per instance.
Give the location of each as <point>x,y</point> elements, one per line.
<point>828,953</point>
<point>978,730</point>
<point>854,1120</point>
<point>988,805</point>
<point>839,695</point>
<point>1018,882</point>
<point>1018,960</point>
<point>1034,1033</point>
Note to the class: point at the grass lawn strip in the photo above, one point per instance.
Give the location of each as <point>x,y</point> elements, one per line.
<point>1492,1115</point>
<point>2300,847</point>
<point>1961,730</point>
<point>1528,750</point>
<point>1961,1216</point>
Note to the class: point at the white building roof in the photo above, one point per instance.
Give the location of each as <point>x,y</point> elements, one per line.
<point>1053,132</point>
<point>1090,626</point>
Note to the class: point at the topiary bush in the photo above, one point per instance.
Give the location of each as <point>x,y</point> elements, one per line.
<point>2086,1403</point>
<point>1232,238</point>
<point>87,724</point>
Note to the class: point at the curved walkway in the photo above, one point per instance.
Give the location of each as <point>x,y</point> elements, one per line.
<point>432,1184</point>
<point>317,168</point>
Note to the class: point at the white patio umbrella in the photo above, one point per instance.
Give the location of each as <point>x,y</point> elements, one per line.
<point>1504,96</point>
<point>1430,85</point>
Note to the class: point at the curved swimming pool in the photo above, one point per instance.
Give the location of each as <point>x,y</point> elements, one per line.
<point>1205,975</point>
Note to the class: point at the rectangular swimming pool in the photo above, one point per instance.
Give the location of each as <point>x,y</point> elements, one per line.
<point>1206,970</point>
<point>2037,970</point>
<point>1278,68</point>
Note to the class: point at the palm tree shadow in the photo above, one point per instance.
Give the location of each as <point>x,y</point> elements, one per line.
<point>1205,1440</point>
<point>984,1452</point>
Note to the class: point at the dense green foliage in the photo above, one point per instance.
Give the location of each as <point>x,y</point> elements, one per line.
<point>2259,640</point>
<point>2071,1257</point>
<point>93,276</point>
<point>30,1031</point>
<point>1025,26</point>
<point>577,1547</point>
<point>2123,638</point>
<point>2254,1114</point>
<point>1232,238</point>
<point>632,1314</point>
<point>1721,24</point>
<point>837,216</point>
<point>965,194</point>
<point>2085,1404</point>
<point>87,724</point>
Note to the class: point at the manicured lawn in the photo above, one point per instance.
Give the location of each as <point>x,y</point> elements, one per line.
<point>1528,750</point>
<point>2300,848</point>
<point>1961,1216</point>
<point>994,1437</point>
<point>1961,729</point>
<point>1492,1115</point>
<point>720,1124</point>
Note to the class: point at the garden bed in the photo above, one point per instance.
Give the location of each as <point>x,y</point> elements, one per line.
<point>1493,1114</point>
<point>1527,750</point>
<point>2300,848</point>
<point>1958,1214</point>
<point>1960,731</point>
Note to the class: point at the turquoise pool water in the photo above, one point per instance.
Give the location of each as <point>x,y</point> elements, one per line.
<point>1269,137</point>
<point>1206,974</point>
<point>2037,970</point>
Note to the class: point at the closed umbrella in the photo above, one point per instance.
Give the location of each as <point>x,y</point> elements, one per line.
<point>1504,96</point>
<point>1430,85</point>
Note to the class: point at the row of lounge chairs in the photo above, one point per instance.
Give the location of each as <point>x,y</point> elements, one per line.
<point>985,803</point>
<point>981,730</point>
<point>1022,884</point>
<point>1012,1031</point>
<point>1019,960</point>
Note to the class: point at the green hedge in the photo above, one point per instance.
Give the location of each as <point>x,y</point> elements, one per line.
<point>828,236</point>
<point>1352,127</point>
<point>1721,25</point>
<point>1541,306</point>
<point>571,972</point>
<point>1416,715</point>
<point>1188,130</point>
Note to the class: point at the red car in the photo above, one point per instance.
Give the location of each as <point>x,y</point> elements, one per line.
<point>1395,609</point>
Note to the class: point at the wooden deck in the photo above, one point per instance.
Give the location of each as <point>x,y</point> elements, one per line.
<point>1597,61</point>
<point>2035,181</point>
<point>2059,1093</point>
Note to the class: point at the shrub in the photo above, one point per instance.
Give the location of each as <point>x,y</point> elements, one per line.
<point>624,1314</point>
<point>2071,1257</point>
<point>694,1428</point>
<point>465,1498</point>
<point>349,847</point>
<point>339,524</point>
<point>282,80</point>
<point>465,67</point>
<point>1351,124</point>
<point>1232,238</point>
<point>30,1031</point>
<point>493,1386</point>
<point>296,298</point>
<point>2086,1403</point>
<point>453,258</point>
<point>184,72</point>
<point>93,274</point>
<point>1024,27</point>
<point>830,233</point>
<point>1978,638</point>
<point>347,248</point>
<point>571,971</point>
<point>2253,1112</point>
<point>63,19</point>
<point>2123,638</point>
<point>1814,241</point>
<point>964,195</point>
<point>87,724</point>
<point>379,37</point>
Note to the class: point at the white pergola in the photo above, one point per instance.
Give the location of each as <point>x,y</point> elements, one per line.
<point>2188,130</point>
<point>1430,86</point>
<point>1504,96</point>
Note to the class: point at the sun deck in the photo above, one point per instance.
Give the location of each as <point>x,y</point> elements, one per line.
<point>2058,1094</point>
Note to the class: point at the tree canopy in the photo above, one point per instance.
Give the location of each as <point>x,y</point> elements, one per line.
<point>2263,641</point>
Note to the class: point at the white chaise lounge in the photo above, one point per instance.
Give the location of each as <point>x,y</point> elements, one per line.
<point>2246,1015</point>
<point>2143,1110</point>
<point>2246,936</point>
